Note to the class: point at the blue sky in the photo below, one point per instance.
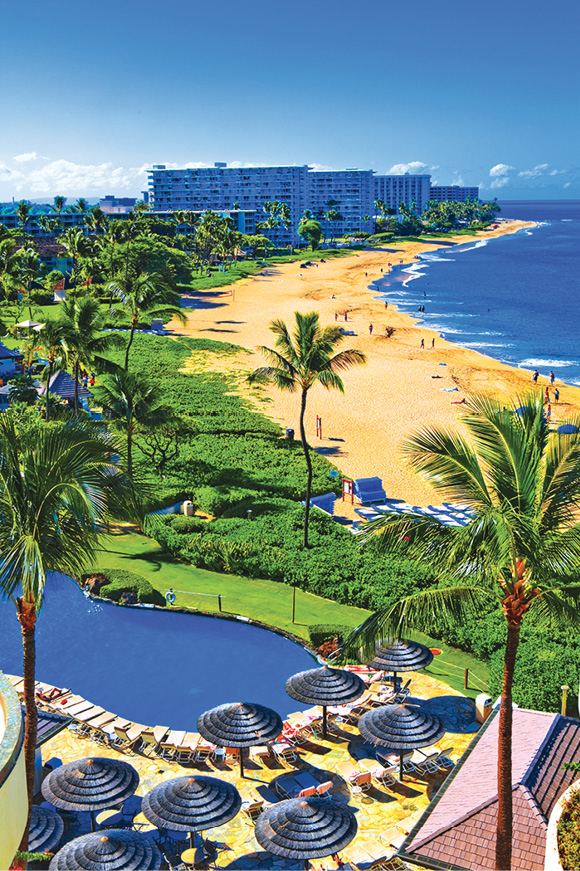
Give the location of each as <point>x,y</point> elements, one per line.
<point>474,93</point>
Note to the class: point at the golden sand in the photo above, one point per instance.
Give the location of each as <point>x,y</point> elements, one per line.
<point>398,390</point>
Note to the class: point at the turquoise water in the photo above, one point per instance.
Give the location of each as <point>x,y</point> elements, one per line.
<point>515,298</point>
<point>153,667</point>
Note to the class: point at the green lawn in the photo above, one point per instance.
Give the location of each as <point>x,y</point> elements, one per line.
<point>267,601</point>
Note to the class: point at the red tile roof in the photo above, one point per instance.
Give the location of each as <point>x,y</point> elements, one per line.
<point>458,828</point>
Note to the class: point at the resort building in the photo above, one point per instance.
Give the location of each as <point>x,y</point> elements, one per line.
<point>351,192</point>
<point>13,800</point>
<point>442,193</point>
<point>10,363</point>
<point>458,829</point>
<point>408,189</point>
<point>111,205</point>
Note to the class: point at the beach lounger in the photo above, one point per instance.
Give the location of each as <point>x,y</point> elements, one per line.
<point>429,764</point>
<point>445,760</point>
<point>152,738</point>
<point>287,787</point>
<point>252,810</point>
<point>324,789</point>
<point>127,738</point>
<point>285,752</point>
<point>348,771</point>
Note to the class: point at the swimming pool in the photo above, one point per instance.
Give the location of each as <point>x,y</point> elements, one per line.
<point>152,667</point>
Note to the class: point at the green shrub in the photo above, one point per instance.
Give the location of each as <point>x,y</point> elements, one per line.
<point>120,582</point>
<point>318,633</point>
<point>41,297</point>
<point>568,834</point>
<point>215,500</point>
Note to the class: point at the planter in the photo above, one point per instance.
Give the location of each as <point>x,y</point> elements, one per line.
<point>552,858</point>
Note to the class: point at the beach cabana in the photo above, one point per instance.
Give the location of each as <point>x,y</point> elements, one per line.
<point>400,728</point>
<point>368,490</point>
<point>306,828</point>
<point>401,655</point>
<point>242,724</point>
<point>90,785</point>
<point>325,686</point>
<point>191,804</point>
<point>61,384</point>
<point>46,830</point>
<point>568,429</point>
<point>117,849</point>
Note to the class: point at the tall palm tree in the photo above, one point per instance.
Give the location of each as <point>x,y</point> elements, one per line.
<point>301,360</point>
<point>9,265</point>
<point>144,295</point>
<point>23,210</point>
<point>131,400</point>
<point>28,271</point>
<point>75,244</point>
<point>84,339</point>
<point>59,204</point>
<point>52,340</point>
<point>57,488</point>
<point>518,551</point>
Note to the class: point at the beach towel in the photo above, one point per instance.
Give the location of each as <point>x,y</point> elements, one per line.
<point>450,389</point>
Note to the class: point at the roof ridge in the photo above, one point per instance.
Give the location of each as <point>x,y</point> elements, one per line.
<point>536,756</point>
<point>530,798</point>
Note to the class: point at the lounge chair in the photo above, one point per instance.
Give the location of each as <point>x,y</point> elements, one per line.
<point>252,810</point>
<point>324,789</point>
<point>348,771</point>
<point>306,780</point>
<point>362,782</point>
<point>401,694</point>
<point>409,766</point>
<point>127,738</point>
<point>152,738</point>
<point>445,760</point>
<point>429,764</point>
<point>204,750</point>
<point>306,793</point>
<point>285,752</point>
<point>381,774</point>
<point>287,787</point>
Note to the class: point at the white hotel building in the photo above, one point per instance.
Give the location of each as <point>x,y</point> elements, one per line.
<point>224,188</point>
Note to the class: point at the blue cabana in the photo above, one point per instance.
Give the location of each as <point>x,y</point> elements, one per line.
<point>369,490</point>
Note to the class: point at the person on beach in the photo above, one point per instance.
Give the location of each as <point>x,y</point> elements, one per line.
<point>386,305</point>
<point>346,316</point>
<point>535,377</point>
<point>556,395</point>
<point>548,412</point>
<point>336,316</point>
<point>432,343</point>
<point>422,343</point>
<point>552,376</point>
<point>459,401</point>
<point>370,329</point>
<point>546,395</point>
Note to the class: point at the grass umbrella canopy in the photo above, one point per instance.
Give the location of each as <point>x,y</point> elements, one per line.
<point>90,784</point>
<point>242,724</point>
<point>117,849</point>
<point>191,804</point>
<point>325,686</point>
<point>402,655</point>
<point>400,727</point>
<point>306,828</point>
<point>46,828</point>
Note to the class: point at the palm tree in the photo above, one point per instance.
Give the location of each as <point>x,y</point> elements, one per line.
<point>28,271</point>
<point>23,210</point>
<point>59,204</point>
<point>74,243</point>
<point>144,295</point>
<point>84,339</point>
<point>53,341</point>
<point>9,265</point>
<point>56,491</point>
<point>523,483</point>
<point>301,360</point>
<point>132,401</point>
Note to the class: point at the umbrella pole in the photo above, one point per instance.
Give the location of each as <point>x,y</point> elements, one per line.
<point>395,681</point>
<point>401,772</point>
<point>191,840</point>
<point>324,721</point>
<point>92,821</point>
<point>241,762</point>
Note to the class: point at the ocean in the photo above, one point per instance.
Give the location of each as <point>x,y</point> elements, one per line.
<point>515,298</point>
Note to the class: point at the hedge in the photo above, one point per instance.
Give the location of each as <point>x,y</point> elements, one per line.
<point>122,582</point>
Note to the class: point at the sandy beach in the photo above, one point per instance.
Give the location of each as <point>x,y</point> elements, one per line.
<point>399,389</point>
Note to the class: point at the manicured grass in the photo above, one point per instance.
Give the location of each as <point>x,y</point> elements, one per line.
<point>267,601</point>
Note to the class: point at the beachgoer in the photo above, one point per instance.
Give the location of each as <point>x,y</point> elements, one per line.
<point>84,373</point>
<point>552,376</point>
<point>92,380</point>
<point>548,412</point>
<point>336,316</point>
<point>535,376</point>
<point>346,316</point>
<point>386,305</point>
<point>459,401</point>
<point>432,343</point>
<point>85,381</point>
<point>422,343</point>
<point>371,329</point>
<point>546,395</point>
<point>556,395</point>
<point>381,268</point>
<point>366,274</point>
<point>424,295</point>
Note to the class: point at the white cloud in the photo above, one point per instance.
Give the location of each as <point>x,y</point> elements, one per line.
<point>69,178</point>
<point>26,157</point>
<point>500,169</point>
<point>6,173</point>
<point>415,167</point>
<point>536,172</point>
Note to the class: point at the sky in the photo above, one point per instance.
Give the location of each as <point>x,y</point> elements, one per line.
<point>473,93</point>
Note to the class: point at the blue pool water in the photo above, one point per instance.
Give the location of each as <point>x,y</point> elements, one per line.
<point>514,298</point>
<point>150,666</point>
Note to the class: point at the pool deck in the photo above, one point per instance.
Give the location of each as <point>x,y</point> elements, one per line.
<point>384,815</point>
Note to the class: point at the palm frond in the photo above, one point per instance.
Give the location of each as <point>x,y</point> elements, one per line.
<point>451,605</point>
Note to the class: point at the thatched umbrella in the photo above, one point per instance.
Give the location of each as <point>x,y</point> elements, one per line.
<point>90,785</point>
<point>325,686</point>
<point>401,655</point>
<point>191,804</point>
<point>46,828</point>
<point>118,849</point>
<point>306,828</point>
<point>243,724</point>
<point>400,727</point>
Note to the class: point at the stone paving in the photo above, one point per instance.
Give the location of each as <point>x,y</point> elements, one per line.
<point>384,815</point>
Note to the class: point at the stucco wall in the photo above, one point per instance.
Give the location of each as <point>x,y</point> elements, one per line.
<point>13,801</point>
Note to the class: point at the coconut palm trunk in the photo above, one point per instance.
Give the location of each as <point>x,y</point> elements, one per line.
<point>76,396</point>
<point>130,342</point>
<point>503,847</point>
<point>26,611</point>
<point>308,459</point>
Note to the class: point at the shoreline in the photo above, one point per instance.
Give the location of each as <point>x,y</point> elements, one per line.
<point>400,388</point>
